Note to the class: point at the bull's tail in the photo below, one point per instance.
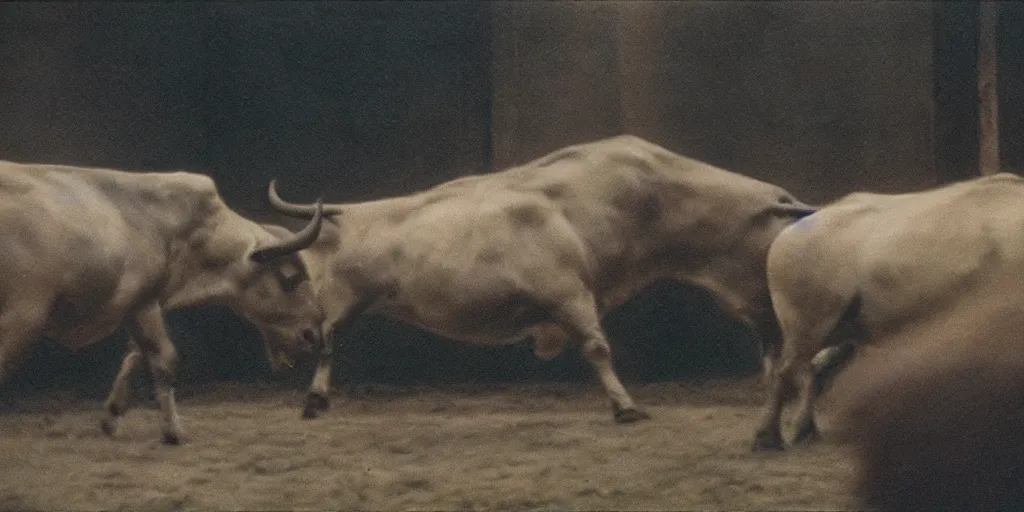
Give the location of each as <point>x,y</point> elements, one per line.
<point>797,211</point>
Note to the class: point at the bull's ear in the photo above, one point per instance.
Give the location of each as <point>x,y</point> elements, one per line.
<point>294,243</point>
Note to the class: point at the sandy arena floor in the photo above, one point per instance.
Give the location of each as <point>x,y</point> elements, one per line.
<point>535,446</point>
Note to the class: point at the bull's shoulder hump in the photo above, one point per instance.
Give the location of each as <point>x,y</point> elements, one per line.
<point>611,147</point>
<point>189,182</point>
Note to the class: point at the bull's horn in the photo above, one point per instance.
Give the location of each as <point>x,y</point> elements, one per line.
<point>297,241</point>
<point>303,211</point>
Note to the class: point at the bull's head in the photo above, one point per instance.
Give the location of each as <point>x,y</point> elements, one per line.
<point>275,292</point>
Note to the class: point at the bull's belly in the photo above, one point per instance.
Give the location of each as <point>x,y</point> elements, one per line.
<point>477,336</point>
<point>78,322</point>
<point>455,326</point>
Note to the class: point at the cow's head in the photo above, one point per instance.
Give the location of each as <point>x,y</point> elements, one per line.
<point>274,292</point>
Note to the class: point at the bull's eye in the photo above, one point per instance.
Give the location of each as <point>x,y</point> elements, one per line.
<point>785,200</point>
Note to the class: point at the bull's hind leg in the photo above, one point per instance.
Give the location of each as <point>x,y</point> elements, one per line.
<point>768,436</point>
<point>801,340</point>
<point>797,351</point>
<point>149,332</point>
<point>806,428</point>
<point>580,319</point>
<point>117,402</point>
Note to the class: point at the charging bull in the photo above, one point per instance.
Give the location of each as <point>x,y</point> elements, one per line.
<point>870,264</point>
<point>545,249</point>
<point>86,251</point>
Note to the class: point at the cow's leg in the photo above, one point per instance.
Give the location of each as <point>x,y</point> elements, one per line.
<point>829,362</point>
<point>806,428</point>
<point>344,312</point>
<point>580,319</point>
<point>117,402</point>
<point>316,400</point>
<point>812,374</point>
<point>149,332</point>
<point>769,435</point>
<point>795,361</point>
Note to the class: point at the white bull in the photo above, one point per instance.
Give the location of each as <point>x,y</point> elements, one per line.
<point>545,249</point>
<point>87,250</point>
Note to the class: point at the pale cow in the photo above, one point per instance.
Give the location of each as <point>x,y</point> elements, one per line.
<point>546,248</point>
<point>88,250</point>
<point>869,264</point>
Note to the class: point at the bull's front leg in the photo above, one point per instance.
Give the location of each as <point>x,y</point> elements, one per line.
<point>149,332</point>
<point>117,402</point>
<point>343,306</point>
<point>317,399</point>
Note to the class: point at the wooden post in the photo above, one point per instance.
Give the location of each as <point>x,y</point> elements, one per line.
<point>988,99</point>
<point>955,64</point>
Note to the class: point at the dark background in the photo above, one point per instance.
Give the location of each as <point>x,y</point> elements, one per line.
<point>364,100</point>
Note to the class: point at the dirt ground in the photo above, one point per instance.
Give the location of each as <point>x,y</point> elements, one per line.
<point>515,446</point>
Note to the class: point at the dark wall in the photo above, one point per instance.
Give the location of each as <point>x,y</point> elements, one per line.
<point>1010,80</point>
<point>820,97</point>
<point>112,84</point>
<point>358,100</point>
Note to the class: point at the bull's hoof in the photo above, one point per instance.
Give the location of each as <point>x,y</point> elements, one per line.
<point>630,415</point>
<point>767,442</point>
<point>108,426</point>
<point>807,434</point>
<point>172,438</point>
<point>315,404</point>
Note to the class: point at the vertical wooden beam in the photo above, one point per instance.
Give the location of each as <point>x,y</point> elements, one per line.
<point>955,60</point>
<point>1010,43</point>
<point>988,99</point>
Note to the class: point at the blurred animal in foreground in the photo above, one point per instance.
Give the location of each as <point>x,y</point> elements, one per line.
<point>937,421</point>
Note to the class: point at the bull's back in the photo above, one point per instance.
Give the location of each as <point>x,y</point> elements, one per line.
<point>907,253</point>
<point>934,246</point>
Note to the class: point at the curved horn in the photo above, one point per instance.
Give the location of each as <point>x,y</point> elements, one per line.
<point>296,242</point>
<point>303,211</point>
<point>293,209</point>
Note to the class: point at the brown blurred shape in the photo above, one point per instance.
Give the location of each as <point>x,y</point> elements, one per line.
<point>935,414</point>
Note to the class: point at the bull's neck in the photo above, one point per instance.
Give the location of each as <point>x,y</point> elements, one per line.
<point>205,255</point>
